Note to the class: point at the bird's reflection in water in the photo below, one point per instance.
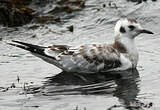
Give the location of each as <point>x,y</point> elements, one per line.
<point>123,85</point>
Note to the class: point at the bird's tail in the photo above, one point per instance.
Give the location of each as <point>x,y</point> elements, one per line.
<point>29,47</point>
<point>39,51</point>
<point>36,50</point>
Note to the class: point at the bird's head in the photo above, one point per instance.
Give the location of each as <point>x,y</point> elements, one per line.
<point>130,28</point>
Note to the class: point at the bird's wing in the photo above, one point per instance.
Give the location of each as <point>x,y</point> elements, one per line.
<point>85,58</point>
<point>42,52</point>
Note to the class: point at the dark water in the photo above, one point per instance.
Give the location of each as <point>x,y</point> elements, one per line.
<point>43,86</point>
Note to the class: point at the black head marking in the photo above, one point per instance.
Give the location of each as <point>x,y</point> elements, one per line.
<point>122,29</point>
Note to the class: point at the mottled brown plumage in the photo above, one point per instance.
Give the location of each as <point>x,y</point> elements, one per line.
<point>132,20</point>
<point>119,47</point>
<point>59,47</point>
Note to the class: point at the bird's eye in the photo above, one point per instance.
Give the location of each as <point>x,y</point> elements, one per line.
<point>131,27</point>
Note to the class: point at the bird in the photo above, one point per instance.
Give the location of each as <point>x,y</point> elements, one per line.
<point>120,55</point>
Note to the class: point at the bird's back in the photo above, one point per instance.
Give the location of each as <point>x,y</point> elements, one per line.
<point>85,58</point>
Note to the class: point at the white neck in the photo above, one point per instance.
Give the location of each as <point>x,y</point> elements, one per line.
<point>128,43</point>
<point>131,50</point>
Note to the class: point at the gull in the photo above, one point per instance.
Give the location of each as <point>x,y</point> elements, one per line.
<point>121,55</point>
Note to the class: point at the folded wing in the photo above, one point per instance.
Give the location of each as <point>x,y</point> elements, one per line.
<point>85,58</point>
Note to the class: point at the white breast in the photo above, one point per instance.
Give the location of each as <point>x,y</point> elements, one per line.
<point>129,60</point>
<point>132,53</point>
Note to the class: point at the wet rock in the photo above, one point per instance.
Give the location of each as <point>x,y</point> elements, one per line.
<point>14,13</point>
<point>70,28</point>
<point>45,19</point>
<point>57,13</point>
<point>104,5</point>
<point>80,3</point>
<point>18,13</point>
<point>60,9</point>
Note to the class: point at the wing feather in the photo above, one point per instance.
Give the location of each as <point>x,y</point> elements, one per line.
<point>85,58</point>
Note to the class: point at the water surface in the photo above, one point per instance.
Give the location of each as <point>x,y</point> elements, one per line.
<point>45,87</point>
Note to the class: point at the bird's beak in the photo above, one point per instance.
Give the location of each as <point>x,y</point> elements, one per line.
<point>145,31</point>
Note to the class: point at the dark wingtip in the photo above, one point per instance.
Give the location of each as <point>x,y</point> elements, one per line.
<point>16,45</point>
<point>14,41</point>
<point>30,47</point>
<point>19,42</point>
<point>10,44</point>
